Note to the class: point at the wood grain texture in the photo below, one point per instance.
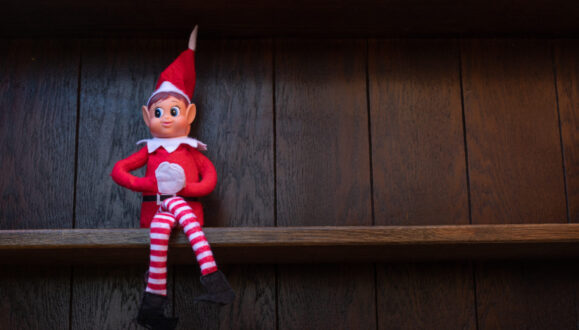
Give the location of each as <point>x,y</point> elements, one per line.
<point>336,296</point>
<point>259,17</point>
<point>117,78</point>
<point>38,87</point>
<point>323,176</point>
<point>426,296</point>
<point>417,137</point>
<point>567,66</point>
<point>322,133</point>
<point>234,98</point>
<point>298,245</point>
<point>107,297</point>
<point>266,237</point>
<point>529,295</point>
<point>516,174</point>
<point>34,297</point>
<point>419,173</point>
<point>512,132</point>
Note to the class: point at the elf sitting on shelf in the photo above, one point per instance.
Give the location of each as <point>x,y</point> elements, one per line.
<point>177,173</point>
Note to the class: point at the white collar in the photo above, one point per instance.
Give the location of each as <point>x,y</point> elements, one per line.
<point>171,144</point>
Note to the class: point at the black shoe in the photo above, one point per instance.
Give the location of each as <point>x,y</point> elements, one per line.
<point>152,315</point>
<point>218,289</point>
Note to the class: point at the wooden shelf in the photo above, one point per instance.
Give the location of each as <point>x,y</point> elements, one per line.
<point>299,244</point>
<point>304,18</point>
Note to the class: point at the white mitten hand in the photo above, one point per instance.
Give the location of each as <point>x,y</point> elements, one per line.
<point>170,178</point>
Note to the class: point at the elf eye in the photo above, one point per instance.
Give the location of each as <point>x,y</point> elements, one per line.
<point>158,112</point>
<point>174,111</point>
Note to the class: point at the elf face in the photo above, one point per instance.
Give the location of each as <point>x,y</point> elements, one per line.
<point>169,118</point>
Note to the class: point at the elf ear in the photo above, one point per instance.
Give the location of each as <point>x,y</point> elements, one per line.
<point>146,116</point>
<point>191,113</point>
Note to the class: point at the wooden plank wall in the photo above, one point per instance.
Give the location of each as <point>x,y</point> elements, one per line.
<point>415,103</point>
<point>323,177</point>
<point>302,132</point>
<point>516,174</point>
<point>39,83</point>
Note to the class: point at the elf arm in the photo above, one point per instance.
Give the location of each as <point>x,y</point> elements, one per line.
<point>198,188</point>
<point>122,176</point>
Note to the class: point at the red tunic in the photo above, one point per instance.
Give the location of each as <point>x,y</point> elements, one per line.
<point>200,174</point>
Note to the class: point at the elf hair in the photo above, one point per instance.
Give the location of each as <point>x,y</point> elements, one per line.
<point>165,95</point>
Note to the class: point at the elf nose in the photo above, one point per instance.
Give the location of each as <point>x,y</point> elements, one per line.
<point>166,116</point>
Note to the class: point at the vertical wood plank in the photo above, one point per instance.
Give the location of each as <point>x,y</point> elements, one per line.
<point>37,133</point>
<point>328,296</point>
<point>234,98</point>
<point>527,295</point>
<point>426,296</point>
<point>417,133</point>
<point>322,134</point>
<point>106,298</point>
<point>323,176</point>
<point>117,78</point>
<point>38,88</point>
<point>567,66</point>
<point>419,177</point>
<point>34,297</point>
<point>516,174</point>
<point>512,132</point>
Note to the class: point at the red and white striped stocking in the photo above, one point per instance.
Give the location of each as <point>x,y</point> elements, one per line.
<point>172,210</point>
<point>161,227</point>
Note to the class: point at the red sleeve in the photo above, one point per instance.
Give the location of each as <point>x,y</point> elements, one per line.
<point>205,186</point>
<point>122,176</point>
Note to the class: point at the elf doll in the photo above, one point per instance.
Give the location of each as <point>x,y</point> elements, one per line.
<point>177,174</point>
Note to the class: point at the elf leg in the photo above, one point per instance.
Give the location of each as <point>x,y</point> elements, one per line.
<point>219,290</point>
<point>151,312</point>
<point>161,227</point>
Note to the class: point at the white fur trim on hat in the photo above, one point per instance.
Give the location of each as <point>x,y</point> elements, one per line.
<point>167,86</point>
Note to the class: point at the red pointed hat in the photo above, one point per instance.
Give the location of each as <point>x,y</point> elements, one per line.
<point>179,76</point>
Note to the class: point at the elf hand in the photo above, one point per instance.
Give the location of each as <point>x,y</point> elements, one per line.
<point>170,178</point>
